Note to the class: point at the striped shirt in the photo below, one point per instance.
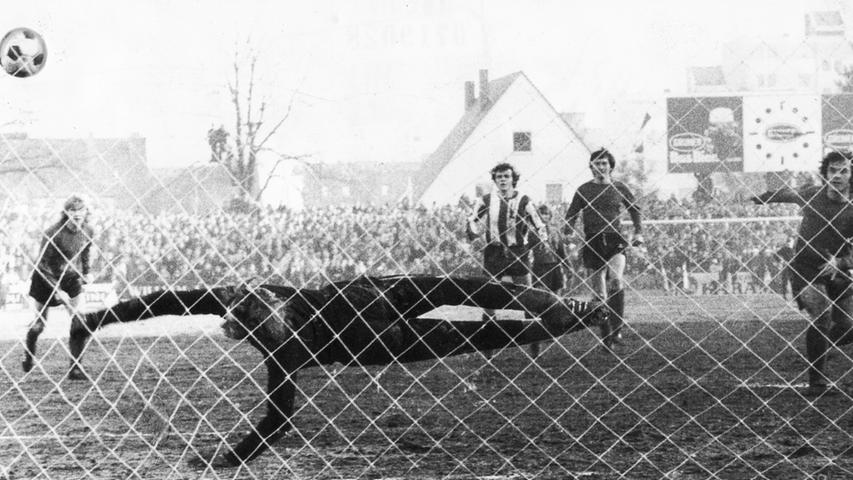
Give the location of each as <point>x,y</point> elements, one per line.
<point>507,221</point>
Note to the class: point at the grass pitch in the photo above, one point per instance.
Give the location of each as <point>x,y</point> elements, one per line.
<point>706,387</point>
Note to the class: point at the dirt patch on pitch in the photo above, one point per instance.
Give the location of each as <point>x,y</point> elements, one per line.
<point>691,400</point>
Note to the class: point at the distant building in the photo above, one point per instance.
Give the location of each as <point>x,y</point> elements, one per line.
<point>113,170</point>
<point>812,62</point>
<point>827,21</point>
<point>356,183</point>
<point>707,79</point>
<point>280,181</point>
<point>196,190</point>
<point>510,121</point>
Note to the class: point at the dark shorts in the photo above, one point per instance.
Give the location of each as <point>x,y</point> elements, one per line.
<point>548,276</point>
<point>803,274</point>
<point>43,292</point>
<point>602,247</point>
<point>499,261</point>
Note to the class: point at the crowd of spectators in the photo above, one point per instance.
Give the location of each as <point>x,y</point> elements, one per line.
<point>311,247</point>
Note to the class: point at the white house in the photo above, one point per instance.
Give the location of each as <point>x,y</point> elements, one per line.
<point>282,181</point>
<point>510,121</point>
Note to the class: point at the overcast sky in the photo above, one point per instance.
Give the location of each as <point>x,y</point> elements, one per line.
<point>371,80</point>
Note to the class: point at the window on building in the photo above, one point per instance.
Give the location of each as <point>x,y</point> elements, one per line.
<point>521,142</point>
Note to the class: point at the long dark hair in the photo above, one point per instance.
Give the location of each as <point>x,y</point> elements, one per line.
<point>833,157</point>
<point>603,153</point>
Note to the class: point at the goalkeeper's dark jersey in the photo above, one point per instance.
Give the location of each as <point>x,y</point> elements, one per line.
<point>64,249</point>
<point>826,228</point>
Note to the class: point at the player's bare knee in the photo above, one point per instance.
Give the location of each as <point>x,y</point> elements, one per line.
<point>615,284</point>
<point>75,302</point>
<point>814,301</point>
<point>599,288</point>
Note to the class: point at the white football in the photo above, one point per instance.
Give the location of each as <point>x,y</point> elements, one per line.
<point>23,53</point>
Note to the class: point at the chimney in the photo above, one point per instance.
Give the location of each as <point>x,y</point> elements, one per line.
<point>484,88</point>
<point>469,95</point>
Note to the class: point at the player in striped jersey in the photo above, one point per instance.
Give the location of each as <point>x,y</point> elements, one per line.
<point>600,203</point>
<point>507,217</point>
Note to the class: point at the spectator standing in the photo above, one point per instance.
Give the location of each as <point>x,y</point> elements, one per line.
<point>549,256</point>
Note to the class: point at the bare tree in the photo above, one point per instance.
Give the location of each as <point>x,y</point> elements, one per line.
<point>280,159</point>
<point>237,149</point>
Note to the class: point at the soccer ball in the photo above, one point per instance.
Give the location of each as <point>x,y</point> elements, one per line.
<point>23,53</point>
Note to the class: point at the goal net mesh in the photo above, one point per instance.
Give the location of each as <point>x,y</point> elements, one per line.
<point>709,383</point>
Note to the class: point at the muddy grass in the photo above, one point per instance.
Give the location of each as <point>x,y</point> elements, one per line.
<point>705,388</point>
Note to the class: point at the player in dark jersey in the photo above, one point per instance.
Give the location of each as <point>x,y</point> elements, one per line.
<point>61,270</point>
<point>820,279</point>
<point>599,203</point>
<point>359,322</point>
<point>507,218</point>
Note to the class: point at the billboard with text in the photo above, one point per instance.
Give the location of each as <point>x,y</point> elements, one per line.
<point>705,134</point>
<point>756,133</point>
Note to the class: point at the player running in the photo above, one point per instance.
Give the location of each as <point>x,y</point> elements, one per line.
<point>820,280</point>
<point>599,202</point>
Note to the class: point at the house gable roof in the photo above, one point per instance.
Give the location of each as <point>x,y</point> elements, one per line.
<point>459,133</point>
<point>466,125</point>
